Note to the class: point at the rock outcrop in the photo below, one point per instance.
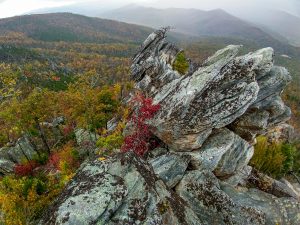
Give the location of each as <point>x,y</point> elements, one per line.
<point>211,96</point>
<point>120,190</point>
<point>208,121</point>
<point>10,156</point>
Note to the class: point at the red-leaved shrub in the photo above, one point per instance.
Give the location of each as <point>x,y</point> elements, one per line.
<point>25,169</point>
<point>53,160</point>
<point>144,110</point>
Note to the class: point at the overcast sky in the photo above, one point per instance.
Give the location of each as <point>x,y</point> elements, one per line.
<point>17,7</point>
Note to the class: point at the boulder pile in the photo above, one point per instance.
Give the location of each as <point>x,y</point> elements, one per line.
<point>208,120</point>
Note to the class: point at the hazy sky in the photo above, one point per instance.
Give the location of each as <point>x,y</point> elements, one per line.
<point>17,7</point>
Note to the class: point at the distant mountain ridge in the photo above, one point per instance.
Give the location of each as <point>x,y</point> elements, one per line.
<point>216,23</point>
<point>281,22</point>
<point>74,28</point>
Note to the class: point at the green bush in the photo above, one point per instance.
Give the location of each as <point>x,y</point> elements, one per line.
<point>181,64</point>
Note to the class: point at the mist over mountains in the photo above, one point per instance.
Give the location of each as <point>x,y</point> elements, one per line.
<point>277,19</point>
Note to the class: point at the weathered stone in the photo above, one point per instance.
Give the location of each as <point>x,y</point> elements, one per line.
<point>205,120</point>
<point>9,156</point>
<point>201,190</point>
<point>281,133</point>
<point>156,153</point>
<point>87,141</point>
<point>240,178</point>
<point>212,96</point>
<point>223,152</point>
<point>120,190</point>
<point>272,186</point>
<point>276,210</point>
<point>170,167</point>
<point>6,166</point>
<point>112,124</point>
<point>268,110</point>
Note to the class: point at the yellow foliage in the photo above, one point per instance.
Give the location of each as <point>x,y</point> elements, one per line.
<point>268,157</point>
<point>21,206</point>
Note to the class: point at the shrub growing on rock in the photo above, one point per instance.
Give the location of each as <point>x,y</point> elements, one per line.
<point>138,140</point>
<point>274,159</point>
<point>181,64</point>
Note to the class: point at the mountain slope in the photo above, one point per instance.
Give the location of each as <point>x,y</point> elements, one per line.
<point>282,22</point>
<point>74,28</point>
<point>217,23</point>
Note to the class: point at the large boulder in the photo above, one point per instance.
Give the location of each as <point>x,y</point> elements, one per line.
<point>223,152</point>
<point>276,210</point>
<point>210,96</point>
<point>124,189</point>
<point>268,110</point>
<point>121,190</point>
<point>170,167</point>
<point>202,191</point>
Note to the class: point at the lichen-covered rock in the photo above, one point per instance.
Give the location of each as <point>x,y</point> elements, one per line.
<point>211,96</point>
<point>268,110</point>
<point>202,191</point>
<point>276,210</point>
<point>223,152</point>
<point>282,133</point>
<point>121,190</point>
<point>220,203</point>
<point>240,178</point>
<point>272,186</point>
<point>87,141</point>
<point>170,167</point>
<point>6,166</point>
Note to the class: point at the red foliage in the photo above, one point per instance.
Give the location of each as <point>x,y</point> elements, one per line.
<point>53,160</point>
<point>68,129</point>
<point>25,169</point>
<point>139,140</point>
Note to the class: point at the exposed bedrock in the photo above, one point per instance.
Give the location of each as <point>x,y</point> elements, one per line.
<point>208,121</point>
<point>211,96</point>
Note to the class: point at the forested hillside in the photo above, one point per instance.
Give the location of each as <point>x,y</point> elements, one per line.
<point>75,28</point>
<point>63,77</point>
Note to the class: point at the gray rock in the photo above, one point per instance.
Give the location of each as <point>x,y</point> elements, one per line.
<point>120,190</point>
<point>268,110</point>
<point>87,141</point>
<point>170,167</point>
<point>156,153</point>
<point>6,166</point>
<point>209,118</point>
<point>282,133</point>
<point>276,210</point>
<point>240,178</point>
<point>212,96</point>
<point>18,153</point>
<point>223,152</point>
<point>112,124</point>
<point>272,186</point>
<point>58,121</point>
<point>84,136</point>
<point>202,191</point>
